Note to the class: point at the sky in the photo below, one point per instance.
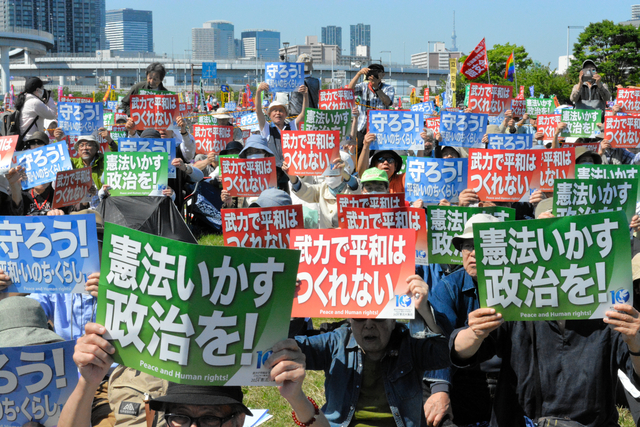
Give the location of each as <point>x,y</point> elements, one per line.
<point>402,27</point>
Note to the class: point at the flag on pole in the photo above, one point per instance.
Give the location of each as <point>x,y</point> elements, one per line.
<point>107,93</point>
<point>510,70</point>
<point>476,63</point>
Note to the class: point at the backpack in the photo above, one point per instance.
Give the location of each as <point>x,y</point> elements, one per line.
<point>10,125</point>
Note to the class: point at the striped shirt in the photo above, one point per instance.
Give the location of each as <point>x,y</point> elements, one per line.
<point>369,99</point>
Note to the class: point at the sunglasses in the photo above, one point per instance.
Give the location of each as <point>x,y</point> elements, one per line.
<point>389,160</point>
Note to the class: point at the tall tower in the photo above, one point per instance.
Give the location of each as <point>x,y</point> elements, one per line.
<point>454,48</point>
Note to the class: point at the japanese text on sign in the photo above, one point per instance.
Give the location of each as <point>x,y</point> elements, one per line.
<point>336,99</point>
<point>428,108</point>
<point>315,119</point>
<point>462,129</point>
<point>622,131</point>
<point>136,174</point>
<point>580,123</point>
<point>80,119</point>
<point>489,99</point>
<point>248,177</point>
<point>7,147</point>
<point>72,187</point>
<point>151,145</point>
<point>384,201</point>
<point>284,76</point>
<point>212,138</point>
<point>154,111</point>
<point>547,123</point>
<point>261,227</point>
<point>42,164</point>
<point>540,106</point>
<point>629,100</point>
<point>501,175</point>
<point>432,180</point>
<point>513,141</point>
<point>580,197</point>
<point>396,130</point>
<point>310,153</point>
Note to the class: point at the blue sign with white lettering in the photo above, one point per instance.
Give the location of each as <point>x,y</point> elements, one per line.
<point>462,129</point>
<point>80,119</point>
<point>432,180</point>
<point>151,145</point>
<point>510,141</point>
<point>396,130</point>
<point>284,76</point>
<point>38,380</point>
<point>112,105</point>
<point>224,88</point>
<point>428,108</point>
<point>42,164</point>
<point>48,254</point>
<point>231,105</point>
<point>250,121</point>
<point>209,70</point>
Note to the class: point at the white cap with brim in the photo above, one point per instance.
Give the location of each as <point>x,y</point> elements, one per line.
<point>278,104</point>
<point>468,228</point>
<point>222,113</point>
<point>86,138</point>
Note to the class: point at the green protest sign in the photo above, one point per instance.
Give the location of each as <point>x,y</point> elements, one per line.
<point>154,92</point>
<point>628,172</point>
<point>136,173</point>
<point>315,119</point>
<point>586,196</point>
<point>580,123</point>
<point>556,268</point>
<point>537,106</point>
<point>207,120</point>
<point>200,315</point>
<point>108,119</point>
<point>467,89</point>
<point>444,222</point>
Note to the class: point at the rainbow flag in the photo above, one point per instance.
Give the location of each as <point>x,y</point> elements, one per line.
<point>510,72</point>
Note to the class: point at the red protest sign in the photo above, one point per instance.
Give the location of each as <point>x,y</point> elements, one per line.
<point>261,227</point>
<point>78,99</point>
<point>118,116</point>
<point>354,273</point>
<point>476,63</point>
<point>385,201</point>
<point>629,100</point>
<point>546,123</point>
<point>521,93</point>
<point>433,124</point>
<point>425,96</point>
<point>310,153</point>
<point>589,146</point>
<point>558,163</point>
<point>183,107</point>
<point>336,99</point>
<point>154,111</point>
<point>7,147</point>
<point>489,99</point>
<point>518,107</point>
<point>502,175</point>
<point>622,131</point>
<point>210,138</point>
<point>72,187</point>
<point>248,177</point>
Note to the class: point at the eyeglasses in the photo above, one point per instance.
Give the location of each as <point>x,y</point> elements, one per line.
<point>468,246</point>
<point>85,145</point>
<point>389,160</point>
<point>176,420</point>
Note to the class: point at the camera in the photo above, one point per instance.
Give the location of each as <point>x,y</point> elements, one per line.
<point>373,73</point>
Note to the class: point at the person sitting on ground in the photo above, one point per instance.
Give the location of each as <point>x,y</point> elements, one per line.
<point>208,163</point>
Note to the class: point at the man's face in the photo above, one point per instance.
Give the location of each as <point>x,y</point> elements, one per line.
<point>387,163</point>
<point>223,122</point>
<point>153,79</point>
<point>469,258</point>
<point>449,153</point>
<point>380,74</point>
<point>277,115</point>
<point>164,133</point>
<point>372,335</point>
<point>375,187</point>
<point>197,411</point>
<point>87,150</point>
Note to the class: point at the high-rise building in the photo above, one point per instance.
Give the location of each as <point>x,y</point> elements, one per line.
<point>635,11</point>
<point>262,44</point>
<point>332,35</point>
<point>215,40</point>
<point>129,30</point>
<point>78,26</point>
<point>360,36</point>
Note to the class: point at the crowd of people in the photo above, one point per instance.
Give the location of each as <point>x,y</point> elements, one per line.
<point>465,367</point>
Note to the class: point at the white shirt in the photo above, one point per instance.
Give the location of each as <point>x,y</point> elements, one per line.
<point>34,107</point>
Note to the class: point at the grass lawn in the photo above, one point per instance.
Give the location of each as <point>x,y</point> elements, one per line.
<point>269,397</point>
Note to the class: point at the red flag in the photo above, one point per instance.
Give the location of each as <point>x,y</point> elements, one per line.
<point>399,102</point>
<point>476,63</point>
<point>521,94</point>
<point>425,97</point>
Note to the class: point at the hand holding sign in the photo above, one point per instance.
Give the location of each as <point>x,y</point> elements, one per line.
<point>93,354</point>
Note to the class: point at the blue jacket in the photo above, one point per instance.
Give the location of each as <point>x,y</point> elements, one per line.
<point>338,355</point>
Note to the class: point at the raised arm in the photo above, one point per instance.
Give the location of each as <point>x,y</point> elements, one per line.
<point>305,103</point>
<point>262,121</point>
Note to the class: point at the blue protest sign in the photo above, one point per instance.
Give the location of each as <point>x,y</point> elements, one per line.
<point>510,141</point>
<point>495,120</point>
<point>151,145</point>
<point>224,88</point>
<point>48,254</point>
<point>250,121</point>
<point>396,130</point>
<point>284,76</point>
<point>462,129</point>
<point>112,105</point>
<point>37,381</point>
<point>209,70</point>
<point>231,105</point>
<point>80,119</point>
<point>42,164</point>
<point>432,180</point>
<point>428,108</point>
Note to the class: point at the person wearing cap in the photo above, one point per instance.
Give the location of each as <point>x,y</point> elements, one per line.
<point>590,93</point>
<point>325,193</point>
<point>296,99</point>
<point>88,149</point>
<point>615,156</point>
<point>386,160</point>
<point>208,163</point>
<point>23,323</point>
<point>35,105</point>
<point>185,143</point>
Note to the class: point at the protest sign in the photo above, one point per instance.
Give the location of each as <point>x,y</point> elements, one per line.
<point>546,123</point>
<point>336,99</point>
<point>76,99</point>
<point>48,254</point>
<point>151,145</point>
<point>476,63</point>
<point>585,196</point>
<point>42,164</point>
<point>425,95</point>
<point>433,124</point>
<point>354,273</point>
<point>553,164</point>
<point>627,172</point>
<point>540,106</point>
<point>136,174</point>
<point>432,180</point>
<point>580,123</point>
<point>284,76</point>
<point>111,105</point>
<point>248,177</point>
<point>502,175</point>
<point>156,92</point>
<point>310,153</point>
<point>153,111</point>
<point>108,119</point>
<point>622,131</point>
<point>193,314</point>
<point>556,268</point>
<point>72,187</point>
<point>445,222</point>
<point>261,227</point>
<point>80,119</point>
<point>249,122</point>
<point>212,138</point>
<point>403,217</point>
<point>427,108</point>
<point>462,129</point>
<point>118,132</point>
<point>7,147</point>
<point>396,130</point>
<point>38,381</point>
<point>230,105</point>
<point>510,141</point>
<point>385,201</point>
<point>207,120</point>
<point>489,99</point>
<point>518,107</point>
<point>315,119</point>
<point>629,99</point>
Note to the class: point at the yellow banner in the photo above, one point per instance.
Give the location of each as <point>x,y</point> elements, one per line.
<point>453,71</point>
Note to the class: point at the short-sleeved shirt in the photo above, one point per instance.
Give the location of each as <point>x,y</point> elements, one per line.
<point>370,99</point>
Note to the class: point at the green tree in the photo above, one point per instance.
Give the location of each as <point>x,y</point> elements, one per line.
<point>614,48</point>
